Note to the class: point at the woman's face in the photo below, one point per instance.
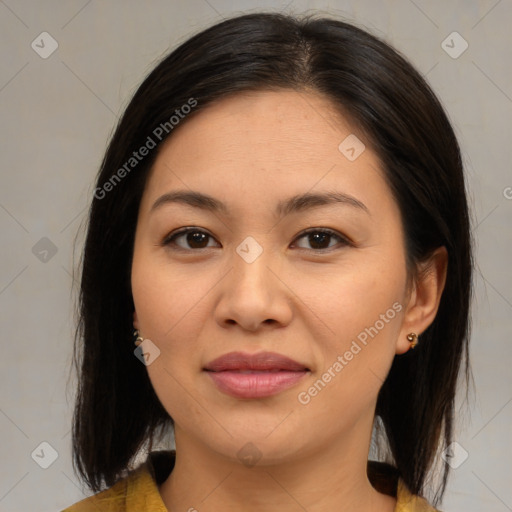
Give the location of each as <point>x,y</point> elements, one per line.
<point>249,279</point>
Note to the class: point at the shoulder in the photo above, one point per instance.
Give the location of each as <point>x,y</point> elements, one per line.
<point>137,492</point>
<point>109,500</point>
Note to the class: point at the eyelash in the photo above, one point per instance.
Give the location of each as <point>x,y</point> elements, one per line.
<point>170,239</point>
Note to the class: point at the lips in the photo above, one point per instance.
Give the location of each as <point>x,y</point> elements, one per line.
<point>244,375</point>
<point>263,361</point>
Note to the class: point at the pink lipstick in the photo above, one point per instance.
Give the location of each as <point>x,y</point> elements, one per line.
<point>244,375</point>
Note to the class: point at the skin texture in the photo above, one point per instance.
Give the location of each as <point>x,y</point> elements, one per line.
<point>306,301</point>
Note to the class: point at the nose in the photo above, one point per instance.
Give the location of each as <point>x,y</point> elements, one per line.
<point>254,296</point>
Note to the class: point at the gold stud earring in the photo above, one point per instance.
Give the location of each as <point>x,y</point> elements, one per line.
<point>412,338</point>
<point>138,339</point>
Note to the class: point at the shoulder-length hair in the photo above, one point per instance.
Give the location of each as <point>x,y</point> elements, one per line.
<point>116,409</point>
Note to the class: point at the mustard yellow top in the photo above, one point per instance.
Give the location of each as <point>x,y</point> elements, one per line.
<point>138,492</point>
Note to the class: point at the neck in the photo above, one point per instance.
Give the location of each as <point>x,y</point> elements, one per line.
<point>332,477</point>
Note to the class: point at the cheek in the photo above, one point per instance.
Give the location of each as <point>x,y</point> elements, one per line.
<point>169,306</point>
<point>353,296</point>
<point>172,307</point>
<point>167,299</point>
<point>355,323</point>
<point>354,363</point>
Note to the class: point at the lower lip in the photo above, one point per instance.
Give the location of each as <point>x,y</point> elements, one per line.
<point>255,385</point>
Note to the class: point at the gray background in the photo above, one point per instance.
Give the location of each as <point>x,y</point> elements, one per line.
<point>57,114</point>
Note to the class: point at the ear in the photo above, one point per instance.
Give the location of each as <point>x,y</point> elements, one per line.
<point>424,297</point>
<point>135,320</point>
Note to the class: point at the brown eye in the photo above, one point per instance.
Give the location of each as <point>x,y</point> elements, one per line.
<point>320,239</point>
<point>189,239</point>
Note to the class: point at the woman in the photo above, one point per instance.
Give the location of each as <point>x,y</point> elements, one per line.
<point>278,263</point>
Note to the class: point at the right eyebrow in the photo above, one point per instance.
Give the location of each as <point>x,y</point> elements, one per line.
<point>191,198</point>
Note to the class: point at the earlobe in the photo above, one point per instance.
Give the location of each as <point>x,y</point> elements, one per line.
<point>135,320</point>
<point>424,299</point>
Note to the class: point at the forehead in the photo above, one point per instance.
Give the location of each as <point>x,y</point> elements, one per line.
<point>267,145</point>
<point>280,124</point>
<point>264,130</point>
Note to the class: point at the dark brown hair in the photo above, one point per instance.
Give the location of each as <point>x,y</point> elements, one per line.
<point>116,409</point>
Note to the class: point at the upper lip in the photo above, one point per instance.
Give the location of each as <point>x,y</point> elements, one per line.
<point>261,361</point>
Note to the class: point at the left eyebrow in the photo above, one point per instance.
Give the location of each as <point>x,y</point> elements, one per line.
<point>310,200</point>
<point>293,204</point>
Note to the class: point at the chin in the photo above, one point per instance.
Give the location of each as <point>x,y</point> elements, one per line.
<point>262,450</point>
